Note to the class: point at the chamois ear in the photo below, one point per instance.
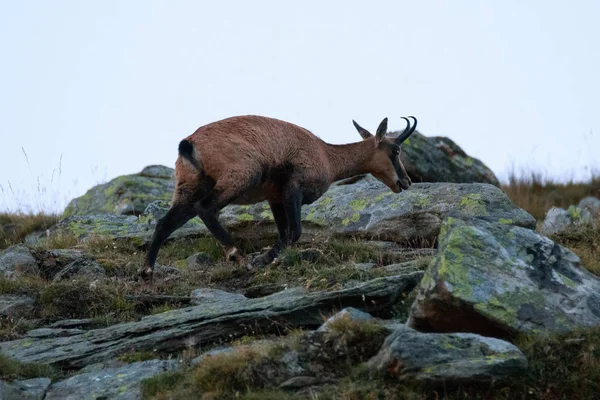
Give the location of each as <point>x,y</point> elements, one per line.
<point>381,130</point>
<point>365,134</point>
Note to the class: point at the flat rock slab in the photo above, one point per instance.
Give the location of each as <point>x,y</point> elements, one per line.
<point>447,358</point>
<point>16,261</point>
<point>367,209</point>
<point>122,383</point>
<point>28,389</point>
<point>498,280</point>
<point>209,322</point>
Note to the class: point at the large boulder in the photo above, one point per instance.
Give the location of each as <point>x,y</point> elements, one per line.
<point>439,159</point>
<point>498,280</point>
<point>126,195</point>
<point>16,261</point>
<point>447,358</point>
<point>559,220</point>
<point>367,209</point>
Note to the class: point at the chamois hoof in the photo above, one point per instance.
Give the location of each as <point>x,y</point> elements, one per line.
<point>146,274</point>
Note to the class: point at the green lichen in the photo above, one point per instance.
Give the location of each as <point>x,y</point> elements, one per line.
<point>505,221</point>
<point>267,214</point>
<point>574,213</point>
<point>469,161</point>
<point>346,221</point>
<point>358,205</point>
<point>567,281</point>
<point>355,217</point>
<point>245,217</point>
<point>422,201</point>
<point>381,196</point>
<point>474,204</point>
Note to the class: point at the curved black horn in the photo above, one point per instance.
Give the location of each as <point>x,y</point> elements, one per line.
<point>407,131</point>
<point>365,134</point>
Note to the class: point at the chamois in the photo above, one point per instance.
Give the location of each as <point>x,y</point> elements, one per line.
<point>249,159</point>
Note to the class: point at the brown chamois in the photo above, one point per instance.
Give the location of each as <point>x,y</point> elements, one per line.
<point>249,159</point>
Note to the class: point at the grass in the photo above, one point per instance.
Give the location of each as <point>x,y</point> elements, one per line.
<point>585,242</point>
<point>536,194</point>
<point>15,227</point>
<point>11,369</point>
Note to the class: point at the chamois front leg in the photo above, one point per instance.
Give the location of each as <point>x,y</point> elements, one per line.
<point>177,215</point>
<point>289,225</point>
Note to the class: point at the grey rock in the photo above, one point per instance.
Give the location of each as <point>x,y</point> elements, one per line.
<point>97,367</point>
<point>16,261</point>
<point>72,323</point>
<point>407,266</point>
<point>200,259</point>
<point>211,353</point>
<point>126,195</point>
<point>209,322</point>
<point>365,267</point>
<point>83,268</point>
<point>439,159</point>
<point>447,358</point>
<point>122,383</point>
<point>206,296</point>
<point>166,271</point>
<point>499,280</point>
<point>53,332</point>
<point>559,220</point>
<point>29,389</point>
<point>52,261</point>
<point>348,312</point>
<point>366,209</point>
<point>16,306</point>
<point>591,204</point>
<point>263,290</point>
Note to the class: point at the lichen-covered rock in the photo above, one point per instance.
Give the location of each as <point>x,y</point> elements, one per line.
<point>558,220</point>
<point>447,358</point>
<point>127,195</point>
<point>17,261</point>
<point>498,280</point>
<point>591,204</point>
<point>83,268</point>
<point>15,306</point>
<point>122,383</point>
<point>206,295</point>
<point>439,159</point>
<point>52,261</point>
<point>28,389</point>
<point>367,209</point>
<point>208,323</point>
<point>349,312</point>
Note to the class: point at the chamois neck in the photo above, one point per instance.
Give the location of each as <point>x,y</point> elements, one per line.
<point>348,160</point>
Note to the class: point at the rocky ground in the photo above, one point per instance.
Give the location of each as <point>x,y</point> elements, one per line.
<point>445,290</point>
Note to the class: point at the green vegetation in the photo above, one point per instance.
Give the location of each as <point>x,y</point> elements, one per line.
<point>14,227</point>
<point>11,369</point>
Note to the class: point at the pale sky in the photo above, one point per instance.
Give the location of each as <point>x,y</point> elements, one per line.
<point>113,86</point>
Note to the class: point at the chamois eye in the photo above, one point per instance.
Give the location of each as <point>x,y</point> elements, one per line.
<point>395,151</point>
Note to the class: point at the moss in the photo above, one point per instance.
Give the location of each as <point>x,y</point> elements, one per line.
<point>245,217</point>
<point>358,205</point>
<point>474,204</point>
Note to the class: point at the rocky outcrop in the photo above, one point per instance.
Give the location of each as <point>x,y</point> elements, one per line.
<point>447,358</point>
<point>83,268</point>
<point>125,195</point>
<point>498,280</point>
<point>208,322</point>
<point>439,159</point>
<point>119,383</point>
<point>15,306</point>
<point>366,209</point>
<point>559,220</point>
<point>17,261</point>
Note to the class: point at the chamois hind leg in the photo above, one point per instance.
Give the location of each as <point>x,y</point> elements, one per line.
<point>178,214</point>
<point>287,217</point>
<point>208,210</point>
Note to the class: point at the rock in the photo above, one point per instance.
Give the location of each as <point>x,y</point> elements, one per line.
<point>349,312</point>
<point>591,204</point>
<point>16,306</point>
<point>166,272</point>
<point>72,323</point>
<point>83,268</point>
<point>558,220</point>
<point>407,266</point>
<point>126,195</point>
<point>206,296</point>
<point>17,261</point>
<point>214,352</point>
<point>498,280</point>
<point>365,267</point>
<point>29,389</point>
<point>209,322</point>
<point>439,159</point>
<point>447,358</point>
<point>122,383</point>
<point>200,259</point>
<point>263,290</point>
<point>52,261</point>
<point>54,332</point>
<point>299,382</point>
<point>366,209</point>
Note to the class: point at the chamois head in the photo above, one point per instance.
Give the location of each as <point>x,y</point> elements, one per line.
<point>385,164</point>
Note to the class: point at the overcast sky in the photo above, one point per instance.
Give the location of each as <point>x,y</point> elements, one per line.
<point>109,87</point>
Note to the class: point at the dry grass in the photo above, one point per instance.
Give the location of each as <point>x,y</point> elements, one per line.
<point>536,194</point>
<point>585,242</point>
<point>15,227</point>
